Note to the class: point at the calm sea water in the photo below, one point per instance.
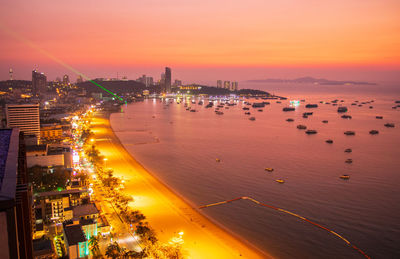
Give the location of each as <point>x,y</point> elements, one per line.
<point>181,148</point>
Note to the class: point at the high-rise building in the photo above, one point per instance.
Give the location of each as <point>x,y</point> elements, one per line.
<point>234,86</point>
<point>149,81</point>
<point>39,82</point>
<point>219,83</point>
<point>10,72</point>
<point>227,84</point>
<point>168,80</point>
<point>65,79</point>
<point>15,198</point>
<point>25,117</point>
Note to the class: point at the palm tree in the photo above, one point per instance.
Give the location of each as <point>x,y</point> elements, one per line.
<point>94,245</point>
<point>113,250</point>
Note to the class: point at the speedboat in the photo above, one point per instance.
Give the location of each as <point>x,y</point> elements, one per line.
<point>280,180</point>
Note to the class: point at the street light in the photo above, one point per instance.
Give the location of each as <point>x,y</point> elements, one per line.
<point>105,162</point>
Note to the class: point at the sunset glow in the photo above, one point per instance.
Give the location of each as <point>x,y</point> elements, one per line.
<point>128,35</point>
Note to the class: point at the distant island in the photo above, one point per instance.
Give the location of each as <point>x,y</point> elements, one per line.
<point>310,80</point>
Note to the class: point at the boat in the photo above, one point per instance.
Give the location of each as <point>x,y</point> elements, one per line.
<point>288,109</point>
<point>324,121</point>
<point>258,105</point>
<point>260,110</point>
<point>309,132</point>
<point>200,103</point>
<point>252,118</point>
<point>278,102</point>
<point>269,169</point>
<point>349,133</point>
<point>379,117</point>
<point>218,160</point>
<point>345,177</point>
<point>301,126</point>
<point>371,107</point>
<point>280,180</point>
<point>373,132</point>
<point>219,113</point>
<point>246,108</point>
<point>348,150</point>
<point>305,116</point>
<point>346,116</point>
<point>247,113</point>
<point>192,110</point>
<point>342,109</point>
<point>290,119</point>
<point>349,161</point>
<point>389,125</point>
<point>329,141</point>
<point>311,105</point>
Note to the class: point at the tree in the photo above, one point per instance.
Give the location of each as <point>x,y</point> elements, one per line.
<point>113,250</point>
<point>94,245</point>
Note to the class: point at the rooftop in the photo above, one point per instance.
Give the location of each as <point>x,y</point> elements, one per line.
<point>63,192</point>
<point>9,151</point>
<point>5,135</point>
<point>84,210</point>
<point>41,244</point>
<point>74,234</point>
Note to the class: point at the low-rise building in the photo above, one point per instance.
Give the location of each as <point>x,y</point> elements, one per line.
<point>43,249</point>
<point>54,203</point>
<point>51,132</point>
<point>75,241</point>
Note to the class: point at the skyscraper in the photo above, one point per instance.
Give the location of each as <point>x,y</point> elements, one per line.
<point>11,74</point>
<point>25,117</point>
<point>219,83</point>
<point>234,86</point>
<point>15,197</point>
<point>168,80</point>
<point>39,82</point>
<point>227,84</point>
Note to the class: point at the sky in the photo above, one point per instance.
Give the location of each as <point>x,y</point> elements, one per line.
<point>203,40</point>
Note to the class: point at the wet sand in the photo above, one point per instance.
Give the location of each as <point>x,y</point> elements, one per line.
<point>166,211</point>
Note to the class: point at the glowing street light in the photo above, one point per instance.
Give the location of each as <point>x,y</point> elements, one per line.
<point>105,161</point>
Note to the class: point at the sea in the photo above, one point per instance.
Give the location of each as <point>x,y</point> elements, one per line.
<point>181,148</point>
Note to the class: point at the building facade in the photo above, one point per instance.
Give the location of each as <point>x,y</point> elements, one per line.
<point>168,80</point>
<point>25,117</point>
<point>16,211</point>
<point>39,83</point>
<point>227,84</point>
<point>219,83</point>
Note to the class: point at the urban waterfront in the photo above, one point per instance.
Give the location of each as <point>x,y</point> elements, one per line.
<point>181,148</point>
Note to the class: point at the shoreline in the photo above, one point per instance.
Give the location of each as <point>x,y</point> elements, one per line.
<point>167,211</point>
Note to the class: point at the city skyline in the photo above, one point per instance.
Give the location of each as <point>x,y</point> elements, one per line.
<point>339,40</point>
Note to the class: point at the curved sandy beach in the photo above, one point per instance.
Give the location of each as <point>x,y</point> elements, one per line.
<point>166,212</point>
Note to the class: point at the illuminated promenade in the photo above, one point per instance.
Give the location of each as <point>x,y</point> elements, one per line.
<point>166,212</point>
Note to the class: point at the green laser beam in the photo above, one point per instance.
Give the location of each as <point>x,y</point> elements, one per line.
<point>54,58</point>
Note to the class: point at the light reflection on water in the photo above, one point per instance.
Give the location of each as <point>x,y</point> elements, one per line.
<point>364,209</point>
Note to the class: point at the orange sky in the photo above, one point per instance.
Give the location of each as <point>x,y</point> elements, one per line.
<point>134,36</point>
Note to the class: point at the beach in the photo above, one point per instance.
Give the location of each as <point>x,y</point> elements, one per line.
<point>166,211</point>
